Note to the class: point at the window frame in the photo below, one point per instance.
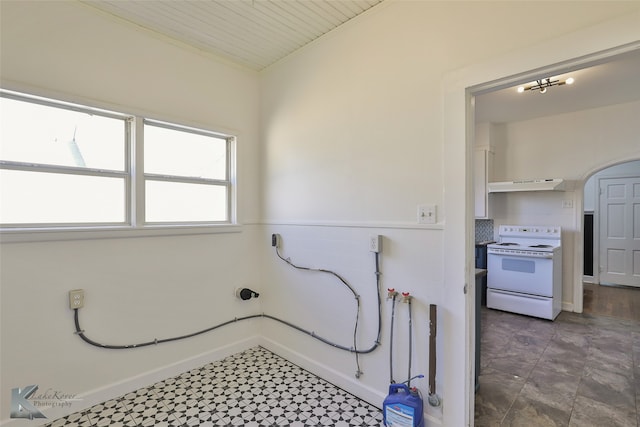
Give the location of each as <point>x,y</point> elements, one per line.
<point>225,183</point>
<point>134,224</point>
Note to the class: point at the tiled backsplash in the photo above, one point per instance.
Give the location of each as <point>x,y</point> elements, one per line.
<point>484,230</point>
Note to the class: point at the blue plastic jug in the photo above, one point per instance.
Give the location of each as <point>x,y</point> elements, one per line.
<point>402,407</point>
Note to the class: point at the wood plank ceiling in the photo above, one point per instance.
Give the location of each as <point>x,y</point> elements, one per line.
<point>253,33</point>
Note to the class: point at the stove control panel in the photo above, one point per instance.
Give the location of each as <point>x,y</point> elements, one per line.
<point>530,231</point>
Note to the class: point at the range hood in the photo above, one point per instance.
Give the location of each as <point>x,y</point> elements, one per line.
<point>553,184</point>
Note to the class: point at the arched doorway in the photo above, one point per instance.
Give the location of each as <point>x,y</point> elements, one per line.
<point>593,215</point>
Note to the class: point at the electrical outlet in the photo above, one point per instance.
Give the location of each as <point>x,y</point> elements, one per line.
<point>76,298</point>
<point>427,214</point>
<point>275,240</point>
<point>375,243</point>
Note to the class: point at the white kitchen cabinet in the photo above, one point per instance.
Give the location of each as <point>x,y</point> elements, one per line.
<point>486,135</point>
<point>483,164</point>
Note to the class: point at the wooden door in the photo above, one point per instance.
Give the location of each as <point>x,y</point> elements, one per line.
<point>619,213</point>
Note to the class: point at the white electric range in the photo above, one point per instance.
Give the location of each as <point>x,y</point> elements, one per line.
<point>524,271</point>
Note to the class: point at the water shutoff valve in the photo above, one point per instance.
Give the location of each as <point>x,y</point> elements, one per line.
<point>246,293</point>
<point>406,297</point>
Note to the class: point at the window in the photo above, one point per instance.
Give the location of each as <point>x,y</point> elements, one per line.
<point>68,166</point>
<point>61,164</point>
<point>186,174</point>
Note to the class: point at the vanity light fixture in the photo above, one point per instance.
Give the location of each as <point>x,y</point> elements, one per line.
<point>543,84</point>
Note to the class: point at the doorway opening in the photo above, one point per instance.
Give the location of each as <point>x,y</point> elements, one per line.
<point>575,235</point>
<point>611,283</point>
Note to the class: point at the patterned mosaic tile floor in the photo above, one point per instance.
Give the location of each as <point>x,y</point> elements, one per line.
<point>252,388</point>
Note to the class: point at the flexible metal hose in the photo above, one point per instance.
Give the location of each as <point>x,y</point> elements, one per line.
<point>393,316</point>
<point>410,344</point>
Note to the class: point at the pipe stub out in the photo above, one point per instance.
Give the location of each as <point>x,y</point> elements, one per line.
<point>246,293</point>
<point>434,400</point>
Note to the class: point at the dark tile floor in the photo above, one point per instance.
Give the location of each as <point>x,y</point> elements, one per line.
<point>580,370</point>
<point>252,388</point>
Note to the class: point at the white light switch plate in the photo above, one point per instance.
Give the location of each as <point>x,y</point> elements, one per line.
<point>427,214</point>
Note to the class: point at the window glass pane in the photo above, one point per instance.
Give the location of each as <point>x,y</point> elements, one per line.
<point>38,198</point>
<point>37,133</point>
<point>181,202</point>
<point>181,153</point>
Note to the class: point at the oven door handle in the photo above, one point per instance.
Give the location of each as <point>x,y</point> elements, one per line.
<point>530,296</point>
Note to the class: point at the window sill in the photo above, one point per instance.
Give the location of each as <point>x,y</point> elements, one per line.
<point>87,233</point>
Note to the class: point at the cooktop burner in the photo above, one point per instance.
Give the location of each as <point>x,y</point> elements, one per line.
<point>522,240</point>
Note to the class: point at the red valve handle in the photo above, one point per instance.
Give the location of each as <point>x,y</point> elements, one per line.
<point>405,294</point>
<point>391,289</point>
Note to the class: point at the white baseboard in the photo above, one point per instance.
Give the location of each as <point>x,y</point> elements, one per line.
<point>111,391</point>
<point>567,306</point>
<point>368,394</point>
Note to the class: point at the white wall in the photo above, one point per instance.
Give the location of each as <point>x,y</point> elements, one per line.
<point>567,146</point>
<point>354,131</point>
<point>141,288</point>
<point>410,262</point>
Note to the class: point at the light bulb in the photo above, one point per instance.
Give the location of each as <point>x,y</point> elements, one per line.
<point>521,89</point>
<point>569,81</point>
<point>543,90</point>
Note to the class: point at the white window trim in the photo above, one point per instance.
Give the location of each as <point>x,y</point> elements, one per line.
<point>134,225</point>
<point>116,232</point>
<point>145,176</point>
